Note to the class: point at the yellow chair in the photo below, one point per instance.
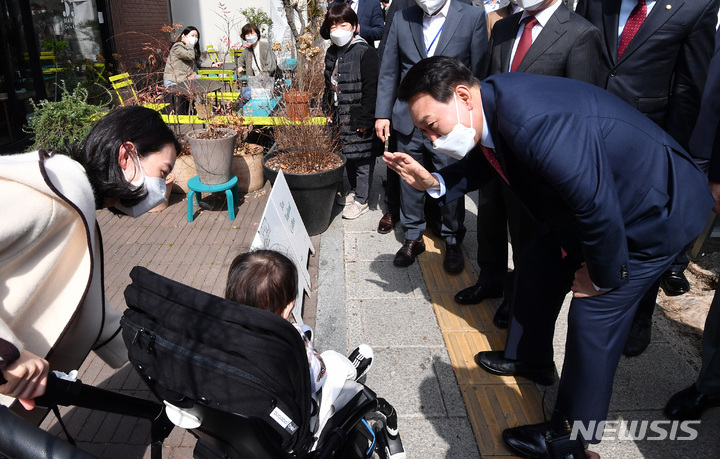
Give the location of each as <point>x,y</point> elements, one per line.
<point>122,84</point>
<point>235,53</point>
<point>212,53</point>
<point>225,76</point>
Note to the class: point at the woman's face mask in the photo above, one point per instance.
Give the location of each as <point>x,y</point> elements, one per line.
<point>251,39</point>
<point>191,40</point>
<point>155,187</point>
<point>458,142</point>
<point>341,37</point>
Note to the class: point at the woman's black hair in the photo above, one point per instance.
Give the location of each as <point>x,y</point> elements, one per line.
<point>247,28</point>
<point>263,279</point>
<point>186,31</point>
<point>99,155</point>
<point>437,76</point>
<point>339,13</point>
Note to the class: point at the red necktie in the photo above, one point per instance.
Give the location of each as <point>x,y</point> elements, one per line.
<point>492,159</point>
<point>637,16</point>
<point>524,44</point>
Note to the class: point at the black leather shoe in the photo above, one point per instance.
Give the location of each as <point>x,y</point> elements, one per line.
<point>386,224</point>
<point>494,362</point>
<point>407,253</point>
<point>454,262</point>
<point>639,337</point>
<point>477,293</point>
<point>675,283</point>
<point>529,440</point>
<point>689,404</point>
<point>501,319</point>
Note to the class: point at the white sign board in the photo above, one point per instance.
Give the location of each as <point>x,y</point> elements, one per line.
<point>281,229</point>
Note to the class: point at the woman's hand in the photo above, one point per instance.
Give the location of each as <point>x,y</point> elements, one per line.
<point>216,64</point>
<point>26,378</point>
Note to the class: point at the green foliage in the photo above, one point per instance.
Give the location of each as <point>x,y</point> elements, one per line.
<point>256,16</point>
<point>63,124</point>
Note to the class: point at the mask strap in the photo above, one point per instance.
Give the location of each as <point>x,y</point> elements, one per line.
<point>457,111</point>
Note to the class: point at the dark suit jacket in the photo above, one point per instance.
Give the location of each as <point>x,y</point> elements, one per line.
<point>568,46</point>
<point>607,181</point>
<point>370,18</point>
<point>705,140</point>
<point>663,70</point>
<point>464,37</point>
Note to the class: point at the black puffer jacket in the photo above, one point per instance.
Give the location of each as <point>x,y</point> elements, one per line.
<point>357,75</point>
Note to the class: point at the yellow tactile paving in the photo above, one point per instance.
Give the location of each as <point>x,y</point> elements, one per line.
<point>493,403</point>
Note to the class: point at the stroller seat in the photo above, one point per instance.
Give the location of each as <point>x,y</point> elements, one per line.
<point>243,373</point>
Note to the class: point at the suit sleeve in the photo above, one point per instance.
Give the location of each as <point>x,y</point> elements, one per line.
<point>374,30</point>
<point>690,74</point>
<point>389,76</point>
<point>459,182</point>
<point>479,45</point>
<point>583,57</point>
<point>569,154</point>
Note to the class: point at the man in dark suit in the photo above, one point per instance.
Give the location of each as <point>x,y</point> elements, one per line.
<point>704,393</point>
<point>661,71</point>
<point>432,27</point>
<point>561,44</point>
<point>370,19</point>
<point>615,199</point>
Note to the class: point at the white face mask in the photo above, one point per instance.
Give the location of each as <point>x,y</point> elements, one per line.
<point>191,40</point>
<point>430,6</point>
<point>529,5</point>
<point>252,39</point>
<point>341,37</point>
<point>458,142</point>
<point>155,187</point>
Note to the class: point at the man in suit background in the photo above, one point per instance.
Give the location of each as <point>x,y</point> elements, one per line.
<point>432,27</point>
<point>563,44</point>
<point>615,199</point>
<point>704,393</point>
<point>656,59</point>
<point>371,20</point>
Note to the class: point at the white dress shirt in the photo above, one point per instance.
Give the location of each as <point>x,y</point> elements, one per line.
<point>542,18</point>
<point>626,8</point>
<point>432,26</point>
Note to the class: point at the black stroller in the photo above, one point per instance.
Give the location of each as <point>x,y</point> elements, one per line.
<point>236,376</point>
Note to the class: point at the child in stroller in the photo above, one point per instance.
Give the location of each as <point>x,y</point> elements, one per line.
<point>267,279</point>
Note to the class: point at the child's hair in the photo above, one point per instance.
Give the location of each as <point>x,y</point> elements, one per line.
<point>339,13</point>
<point>263,279</point>
<point>247,28</point>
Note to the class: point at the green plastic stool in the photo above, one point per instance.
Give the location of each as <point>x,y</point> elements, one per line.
<point>196,186</point>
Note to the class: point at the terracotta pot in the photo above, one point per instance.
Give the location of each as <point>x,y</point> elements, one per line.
<point>169,180</point>
<point>213,157</point>
<point>298,105</point>
<point>184,170</point>
<point>248,169</point>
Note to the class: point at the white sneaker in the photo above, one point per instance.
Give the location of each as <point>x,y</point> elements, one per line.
<point>354,210</point>
<point>361,358</point>
<point>346,199</point>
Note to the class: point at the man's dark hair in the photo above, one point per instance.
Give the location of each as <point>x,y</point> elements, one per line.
<point>263,279</point>
<point>437,76</point>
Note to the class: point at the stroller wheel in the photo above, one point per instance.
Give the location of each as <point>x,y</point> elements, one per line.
<point>388,446</point>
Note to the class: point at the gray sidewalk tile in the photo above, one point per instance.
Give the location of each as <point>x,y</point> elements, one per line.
<point>438,438</point>
<point>380,279</point>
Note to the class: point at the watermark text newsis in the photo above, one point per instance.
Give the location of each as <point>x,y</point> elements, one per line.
<point>635,430</point>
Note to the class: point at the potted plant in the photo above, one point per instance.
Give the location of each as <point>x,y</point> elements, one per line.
<point>305,149</point>
<point>65,123</point>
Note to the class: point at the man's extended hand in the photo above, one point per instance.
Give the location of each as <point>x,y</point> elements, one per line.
<point>26,378</point>
<point>411,171</point>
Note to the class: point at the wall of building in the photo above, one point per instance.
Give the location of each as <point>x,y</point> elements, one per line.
<point>136,26</point>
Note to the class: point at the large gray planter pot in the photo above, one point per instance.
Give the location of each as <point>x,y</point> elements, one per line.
<point>314,194</point>
<point>213,157</point>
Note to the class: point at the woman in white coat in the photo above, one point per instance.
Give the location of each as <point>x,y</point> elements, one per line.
<point>51,267</point>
